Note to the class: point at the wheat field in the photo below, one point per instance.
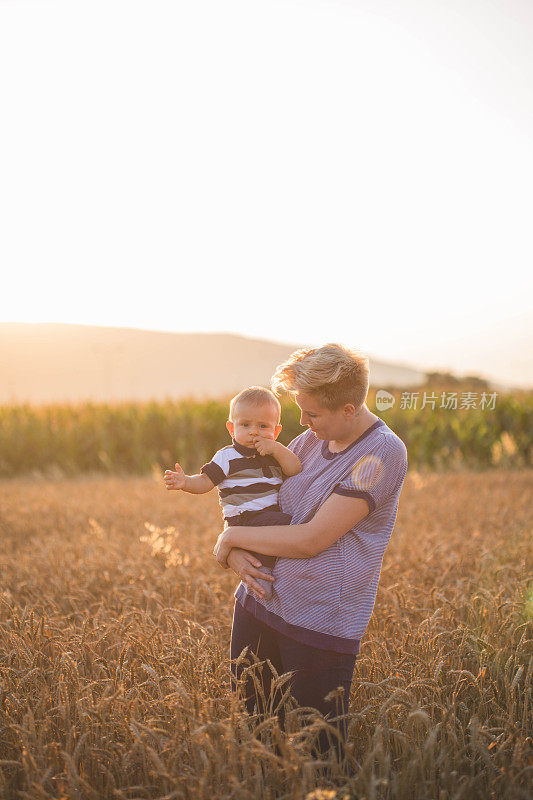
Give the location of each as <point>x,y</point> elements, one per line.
<point>114,633</point>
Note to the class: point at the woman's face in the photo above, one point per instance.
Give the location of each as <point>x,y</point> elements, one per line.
<point>324,423</point>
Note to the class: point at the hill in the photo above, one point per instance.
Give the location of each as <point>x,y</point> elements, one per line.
<point>51,362</point>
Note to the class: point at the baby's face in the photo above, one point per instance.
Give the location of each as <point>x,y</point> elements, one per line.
<point>250,421</point>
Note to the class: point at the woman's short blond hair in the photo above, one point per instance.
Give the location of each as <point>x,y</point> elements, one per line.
<point>333,374</point>
<point>255,396</point>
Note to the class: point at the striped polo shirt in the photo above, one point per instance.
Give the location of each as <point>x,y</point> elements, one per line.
<point>246,481</point>
<point>327,600</point>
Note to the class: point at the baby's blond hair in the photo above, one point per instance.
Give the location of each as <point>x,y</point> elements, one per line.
<point>333,374</point>
<point>256,396</point>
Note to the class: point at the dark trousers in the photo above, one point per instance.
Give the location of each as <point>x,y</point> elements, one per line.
<point>272,515</point>
<point>317,673</point>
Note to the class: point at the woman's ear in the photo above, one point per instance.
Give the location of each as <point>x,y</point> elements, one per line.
<point>229,426</point>
<point>277,431</point>
<point>349,410</point>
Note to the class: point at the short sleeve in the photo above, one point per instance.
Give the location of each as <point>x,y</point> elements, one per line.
<point>216,469</point>
<point>377,476</point>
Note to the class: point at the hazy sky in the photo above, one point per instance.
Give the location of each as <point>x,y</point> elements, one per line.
<point>357,171</point>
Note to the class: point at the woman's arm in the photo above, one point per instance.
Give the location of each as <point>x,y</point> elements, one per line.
<point>333,519</point>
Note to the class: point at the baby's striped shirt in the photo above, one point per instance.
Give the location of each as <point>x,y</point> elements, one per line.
<point>246,481</point>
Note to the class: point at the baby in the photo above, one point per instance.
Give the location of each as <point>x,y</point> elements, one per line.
<point>249,472</point>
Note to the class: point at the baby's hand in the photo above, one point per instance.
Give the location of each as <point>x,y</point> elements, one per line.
<point>265,447</point>
<point>175,480</point>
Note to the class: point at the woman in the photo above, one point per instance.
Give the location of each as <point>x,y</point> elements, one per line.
<point>343,506</point>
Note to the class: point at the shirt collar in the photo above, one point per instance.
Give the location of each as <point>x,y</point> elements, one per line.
<point>244,451</point>
<point>326,452</point>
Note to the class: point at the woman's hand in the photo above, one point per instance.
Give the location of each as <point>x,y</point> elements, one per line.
<point>244,564</point>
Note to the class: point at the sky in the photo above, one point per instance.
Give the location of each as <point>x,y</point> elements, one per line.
<point>304,171</point>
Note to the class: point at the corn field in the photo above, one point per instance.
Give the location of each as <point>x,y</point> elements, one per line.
<point>133,438</point>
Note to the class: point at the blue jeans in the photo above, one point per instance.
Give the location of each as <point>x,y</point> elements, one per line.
<point>318,672</point>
